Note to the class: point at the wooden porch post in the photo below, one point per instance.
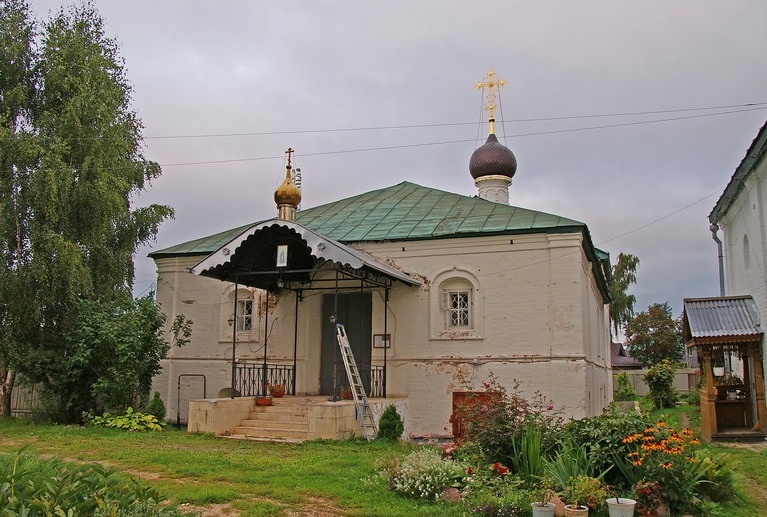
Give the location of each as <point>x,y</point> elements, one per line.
<point>707,397</point>
<point>761,419</point>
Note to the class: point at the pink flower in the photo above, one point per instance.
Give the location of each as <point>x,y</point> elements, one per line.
<point>549,406</point>
<point>484,408</point>
<point>487,385</point>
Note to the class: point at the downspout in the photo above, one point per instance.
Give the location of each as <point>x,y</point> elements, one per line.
<point>715,228</point>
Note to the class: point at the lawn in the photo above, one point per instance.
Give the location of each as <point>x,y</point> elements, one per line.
<point>318,478</point>
<point>253,478</point>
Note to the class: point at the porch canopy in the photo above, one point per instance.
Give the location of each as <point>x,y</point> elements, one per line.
<point>722,330</point>
<point>250,258</point>
<point>278,254</point>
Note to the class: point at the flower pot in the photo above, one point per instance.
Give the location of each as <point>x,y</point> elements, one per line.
<point>543,510</point>
<point>277,391</point>
<point>718,371</point>
<point>263,401</point>
<point>621,507</point>
<point>576,511</point>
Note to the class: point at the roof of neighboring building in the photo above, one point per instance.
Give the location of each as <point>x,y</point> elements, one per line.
<point>749,163</point>
<point>730,316</point>
<point>620,358</point>
<point>407,211</point>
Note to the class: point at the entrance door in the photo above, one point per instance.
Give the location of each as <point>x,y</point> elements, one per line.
<point>355,313</point>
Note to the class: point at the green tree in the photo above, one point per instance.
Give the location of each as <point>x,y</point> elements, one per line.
<point>655,335</point>
<point>71,163</point>
<point>622,303</point>
<point>110,356</point>
<point>660,379</point>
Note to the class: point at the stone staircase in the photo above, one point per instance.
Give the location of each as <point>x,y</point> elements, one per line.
<point>287,419</point>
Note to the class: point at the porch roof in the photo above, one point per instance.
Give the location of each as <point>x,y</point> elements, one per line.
<point>721,320</point>
<point>249,257</point>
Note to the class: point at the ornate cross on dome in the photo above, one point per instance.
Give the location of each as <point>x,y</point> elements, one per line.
<point>289,152</point>
<point>490,87</point>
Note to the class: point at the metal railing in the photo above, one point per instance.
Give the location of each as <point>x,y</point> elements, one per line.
<point>250,378</point>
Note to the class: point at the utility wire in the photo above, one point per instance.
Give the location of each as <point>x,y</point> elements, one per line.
<point>447,142</point>
<point>753,105</point>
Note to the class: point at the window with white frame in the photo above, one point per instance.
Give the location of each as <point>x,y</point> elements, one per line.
<point>455,306</point>
<point>457,303</point>
<point>244,314</point>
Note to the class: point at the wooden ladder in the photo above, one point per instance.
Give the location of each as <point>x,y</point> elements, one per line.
<point>367,422</point>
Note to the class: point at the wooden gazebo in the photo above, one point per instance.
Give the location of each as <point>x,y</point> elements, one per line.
<point>726,335</point>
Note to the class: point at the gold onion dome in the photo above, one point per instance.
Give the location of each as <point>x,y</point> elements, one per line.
<point>287,193</point>
<point>492,159</point>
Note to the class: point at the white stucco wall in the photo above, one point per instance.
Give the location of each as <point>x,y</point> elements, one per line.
<point>540,322</point>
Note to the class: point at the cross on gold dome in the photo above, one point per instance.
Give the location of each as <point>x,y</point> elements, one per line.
<point>289,152</point>
<point>490,87</point>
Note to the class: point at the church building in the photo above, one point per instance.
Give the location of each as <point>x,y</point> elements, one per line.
<point>437,292</point>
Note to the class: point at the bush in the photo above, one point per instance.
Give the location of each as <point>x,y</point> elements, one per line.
<point>499,417</point>
<point>156,408</point>
<point>624,390</point>
<point>424,474</point>
<point>390,425</point>
<point>660,379</point>
<point>600,439</point>
<point>32,486</point>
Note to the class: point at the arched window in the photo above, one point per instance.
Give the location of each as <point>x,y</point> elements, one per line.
<point>244,319</point>
<point>455,307</point>
<point>746,252</point>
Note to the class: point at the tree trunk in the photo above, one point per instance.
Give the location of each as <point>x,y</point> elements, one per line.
<point>6,390</point>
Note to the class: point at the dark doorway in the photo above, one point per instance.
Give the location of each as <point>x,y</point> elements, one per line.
<point>355,312</point>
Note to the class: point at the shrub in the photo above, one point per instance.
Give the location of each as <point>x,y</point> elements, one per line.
<point>131,421</point>
<point>585,491</point>
<point>660,379</point>
<point>600,439</point>
<point>32,486</point>
<point>390,425</point>
<point>500,416</point>
<point>624,390</point>
<point>156,408</point>
<point>424,474</point>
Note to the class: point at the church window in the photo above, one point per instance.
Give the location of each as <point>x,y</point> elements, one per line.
<point>455,306</point>
<point>458,308</point>
<point>245,315</point>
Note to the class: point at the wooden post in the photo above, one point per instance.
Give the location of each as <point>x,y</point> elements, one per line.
<point>707,397</point>
<point>761,419</point>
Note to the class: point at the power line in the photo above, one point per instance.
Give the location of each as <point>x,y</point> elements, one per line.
<point>761,106</point>
<point>751,105</point>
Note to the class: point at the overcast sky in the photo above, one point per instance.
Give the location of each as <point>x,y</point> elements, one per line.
<point>673,91</point>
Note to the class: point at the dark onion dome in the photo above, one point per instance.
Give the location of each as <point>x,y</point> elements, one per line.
<point>492,158</point>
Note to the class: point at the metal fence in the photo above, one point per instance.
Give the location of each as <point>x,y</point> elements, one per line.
<point>249,378</point>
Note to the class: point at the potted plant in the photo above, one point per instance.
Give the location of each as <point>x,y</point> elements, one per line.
<point>264,400</point>
<point>277,390</point>
<point>718,368</point>
<point>543,507</point>
<point>346,393</point>
<point>581,494</point>
<point>649,496</point>
<point>620,506</point>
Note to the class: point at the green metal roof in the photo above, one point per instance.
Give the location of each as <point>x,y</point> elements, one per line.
<point>402,212</point>
<point>408,211</point>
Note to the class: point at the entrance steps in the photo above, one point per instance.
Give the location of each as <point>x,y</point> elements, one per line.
<point>287,419</point>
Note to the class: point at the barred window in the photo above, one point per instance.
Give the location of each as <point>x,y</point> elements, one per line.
<point>244,315</point>
<point>458,309</point>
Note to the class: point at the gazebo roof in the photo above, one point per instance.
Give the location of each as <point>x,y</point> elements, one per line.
<point>721,320</point>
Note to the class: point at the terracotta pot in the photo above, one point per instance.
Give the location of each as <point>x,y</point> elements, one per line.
<point>263,401</point>
<point>576,511</point>
<point>277,391</point>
